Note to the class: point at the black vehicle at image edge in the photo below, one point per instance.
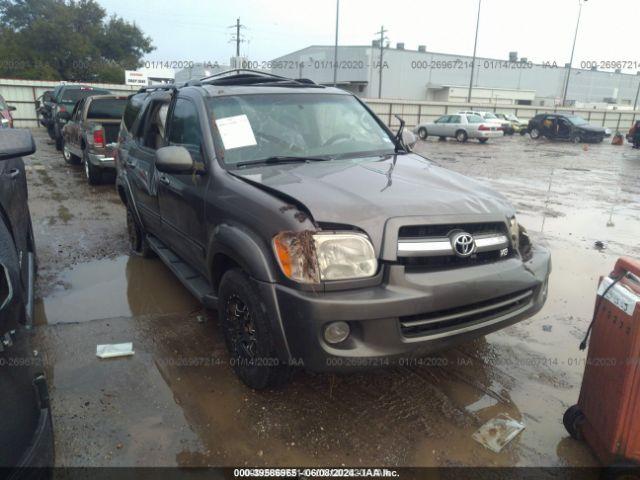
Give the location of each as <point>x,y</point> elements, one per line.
<point>26,435</point>
<point>564,127</point>
<point>320,238</point>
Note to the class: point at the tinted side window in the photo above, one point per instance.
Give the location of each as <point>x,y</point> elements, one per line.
<point>185,127</point>
<point>454,119</point>
<point>444,119</point>
<point>132,109</point>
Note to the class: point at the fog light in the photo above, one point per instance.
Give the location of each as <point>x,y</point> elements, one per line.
<point>336,332</point>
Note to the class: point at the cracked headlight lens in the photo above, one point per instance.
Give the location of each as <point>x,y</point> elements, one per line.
<point>311,257</point>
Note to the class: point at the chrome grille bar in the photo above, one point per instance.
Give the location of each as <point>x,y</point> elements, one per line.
<point>425,247</point>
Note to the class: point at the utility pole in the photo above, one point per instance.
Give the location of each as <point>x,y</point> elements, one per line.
<point>475,46</point>
<point>575,36</point>
<point>635,104</point>
<point>381,40</point>
<point>237,38</point>
<point>335,47</point>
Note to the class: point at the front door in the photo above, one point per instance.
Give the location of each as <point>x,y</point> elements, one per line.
<point>181,195</point>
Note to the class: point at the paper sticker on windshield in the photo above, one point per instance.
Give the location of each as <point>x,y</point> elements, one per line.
<point>236,132</point>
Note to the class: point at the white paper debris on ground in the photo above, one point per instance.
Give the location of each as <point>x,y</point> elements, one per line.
<point>114,350</point>
<point>236,132</point>
<point>498,432</point>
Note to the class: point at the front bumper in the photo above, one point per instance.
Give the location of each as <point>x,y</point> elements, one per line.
<point>376,315</point>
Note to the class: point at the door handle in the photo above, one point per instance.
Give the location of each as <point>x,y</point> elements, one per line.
<point>13,173</point>
<point>164,179</point>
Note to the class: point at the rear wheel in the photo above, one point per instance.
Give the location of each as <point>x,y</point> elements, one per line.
<point>68,156</point>
<point>573,419</point>
<point>576,138</point>
<point>93,173</point>
<point>422,133</point>
<point>461,136</point>
<point>534,133</point>
<point>247,331</point>
<point>483,140</point>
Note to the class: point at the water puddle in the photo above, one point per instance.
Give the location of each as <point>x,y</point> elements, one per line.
<point>107,288</point>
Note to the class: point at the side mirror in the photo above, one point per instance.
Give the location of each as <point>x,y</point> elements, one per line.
<point>174,159</point>
<point>408,138</point>
<point>15,142</point>
<point>12,108</point>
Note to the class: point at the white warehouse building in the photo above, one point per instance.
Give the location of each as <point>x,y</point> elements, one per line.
<point>423,75</point>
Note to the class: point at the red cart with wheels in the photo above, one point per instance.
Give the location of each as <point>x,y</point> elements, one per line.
<point>607,415</point>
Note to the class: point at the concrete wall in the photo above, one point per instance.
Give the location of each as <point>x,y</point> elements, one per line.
<point>23,93</point>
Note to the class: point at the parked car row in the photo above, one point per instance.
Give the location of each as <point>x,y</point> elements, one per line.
<point>471,124</point>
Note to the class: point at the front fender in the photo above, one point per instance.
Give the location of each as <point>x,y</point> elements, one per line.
<point>245,248</point>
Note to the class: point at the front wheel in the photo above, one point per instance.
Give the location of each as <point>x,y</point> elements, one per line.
<point>461,136</point>
<point>483,140</point>
<point>576,138</point>
<point>137,239</point>
<point>247,332</point>
<point>573,419</point>
<point>534,133</point>
<point>422,133</point>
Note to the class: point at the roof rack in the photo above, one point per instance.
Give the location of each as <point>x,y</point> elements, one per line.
<point>165,86</point>
<point>242,76</point>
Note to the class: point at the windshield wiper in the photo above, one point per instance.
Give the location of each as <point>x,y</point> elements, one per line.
<point>282,159</point>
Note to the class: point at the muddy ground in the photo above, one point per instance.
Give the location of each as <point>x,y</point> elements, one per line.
<point>176,401</point>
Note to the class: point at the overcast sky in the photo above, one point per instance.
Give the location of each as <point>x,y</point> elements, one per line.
<point>541,30</point>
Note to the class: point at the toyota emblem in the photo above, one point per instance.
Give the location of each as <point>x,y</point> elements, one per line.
<point>463,244</point>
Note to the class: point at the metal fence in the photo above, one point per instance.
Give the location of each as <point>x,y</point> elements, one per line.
<point>415,112</point>
<point>23,94</point>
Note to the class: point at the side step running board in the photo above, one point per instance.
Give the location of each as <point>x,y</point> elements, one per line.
<point>190,278</point>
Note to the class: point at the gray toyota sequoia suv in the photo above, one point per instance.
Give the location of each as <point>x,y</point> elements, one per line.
<point>321,240</point>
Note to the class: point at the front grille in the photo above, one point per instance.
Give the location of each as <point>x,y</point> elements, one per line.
<point>448,262</point>
<point>413,231</point>
<point>433,323</point>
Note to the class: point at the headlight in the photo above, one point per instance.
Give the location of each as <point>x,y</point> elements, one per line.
<point>514,231</point>
<point>308,257</point>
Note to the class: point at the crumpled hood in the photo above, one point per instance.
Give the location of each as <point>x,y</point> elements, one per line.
<point>367,192</point>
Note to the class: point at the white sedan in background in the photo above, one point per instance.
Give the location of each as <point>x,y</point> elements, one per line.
<point>460,126</point>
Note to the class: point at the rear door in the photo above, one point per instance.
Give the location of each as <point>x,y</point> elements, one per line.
<point>181,195</point>
<point>139,162</point>
<point>453,125</point>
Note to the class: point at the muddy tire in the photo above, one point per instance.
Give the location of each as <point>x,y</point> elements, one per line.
<point>69,157</point>
<point>461,136</point>
<point>137,238</point>
<point>573,419</point>
<point>247,331</point>
<point>422,133</point>
<point>534,133</point>
<point>483,140</point>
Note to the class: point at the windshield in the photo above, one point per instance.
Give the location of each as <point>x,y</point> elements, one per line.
<point>74,94</point>
<point>257,127</point>
<point>490,115</point>
<point>577,120</point>
<point>107,108</point>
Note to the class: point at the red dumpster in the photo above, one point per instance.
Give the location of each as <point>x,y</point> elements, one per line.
<point>607,415</point>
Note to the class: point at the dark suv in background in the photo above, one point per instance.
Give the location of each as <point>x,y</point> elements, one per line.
<point>63,99</point>
<point>564,127</point>
<point>320,238</point>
